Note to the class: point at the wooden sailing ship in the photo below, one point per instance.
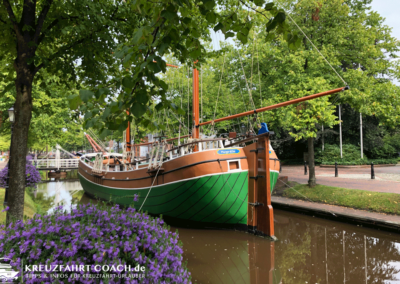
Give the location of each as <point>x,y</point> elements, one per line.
<point>208,182</point>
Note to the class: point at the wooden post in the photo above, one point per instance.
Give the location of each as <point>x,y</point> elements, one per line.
<point>265,212</point>
<point>195,103</point>
<point>128,136</point>
<point>260,215</point>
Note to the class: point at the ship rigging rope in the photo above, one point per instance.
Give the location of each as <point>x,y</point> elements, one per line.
<point>244,103</point>
<point>247,85</point>
<point>158,170</point>
<point>290,17</point>
<point>155,177</point>
<point>180,122</point>
<point>251,127</point>
<point>259,77</point>
<point>219,88</point>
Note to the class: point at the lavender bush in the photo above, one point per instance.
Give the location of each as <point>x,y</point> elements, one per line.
<point>95,235</point>
<point>32,176</point>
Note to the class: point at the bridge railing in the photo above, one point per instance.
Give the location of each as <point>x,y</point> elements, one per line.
<point>56,163</point>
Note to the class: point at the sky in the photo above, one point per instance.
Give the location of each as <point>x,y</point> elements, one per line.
<point>389,9</point>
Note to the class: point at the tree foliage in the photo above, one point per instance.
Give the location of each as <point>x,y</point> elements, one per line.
<point>351,37</point>
<point>52,121</point>
<point>79,40</point>
<point>176,28</point>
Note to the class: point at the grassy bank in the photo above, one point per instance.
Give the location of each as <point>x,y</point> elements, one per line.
<point>29,209</point>
<point>353,198</point>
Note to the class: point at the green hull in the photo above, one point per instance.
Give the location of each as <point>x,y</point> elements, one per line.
<point>220,198</point>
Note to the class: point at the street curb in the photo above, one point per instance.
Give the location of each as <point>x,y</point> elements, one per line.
<point>358,166</point>
<point>339,217</point>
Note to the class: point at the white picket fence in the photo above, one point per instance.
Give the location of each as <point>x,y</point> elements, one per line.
<point>56,163</point>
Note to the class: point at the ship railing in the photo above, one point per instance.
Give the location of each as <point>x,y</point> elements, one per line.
<point>159,153</point>
<point>202,145</point>
<point>251,139</point>
<point>159,156</point>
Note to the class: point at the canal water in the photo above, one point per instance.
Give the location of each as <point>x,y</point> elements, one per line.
<point>309,250</point>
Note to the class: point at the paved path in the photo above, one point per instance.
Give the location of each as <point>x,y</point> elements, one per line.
<point>387,178</point>
<point>339,213</point>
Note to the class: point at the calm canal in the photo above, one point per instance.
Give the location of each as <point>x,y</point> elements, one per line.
<point>310,250</point>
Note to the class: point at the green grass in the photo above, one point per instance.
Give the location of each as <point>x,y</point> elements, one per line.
<point>353,198</point>
<point>29,209</point>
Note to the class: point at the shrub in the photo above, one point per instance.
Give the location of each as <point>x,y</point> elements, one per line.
<point>96,235</point>
<point>32,177</point>
<point>292,162</point>
<point>386,151</point>
<point>361,162</point>
<point>331,153</point>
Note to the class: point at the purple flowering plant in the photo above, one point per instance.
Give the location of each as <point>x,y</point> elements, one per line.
<point>32,176</point>
<point>95,235</point>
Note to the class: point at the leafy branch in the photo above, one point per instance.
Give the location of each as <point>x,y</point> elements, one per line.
<point>11,14</point>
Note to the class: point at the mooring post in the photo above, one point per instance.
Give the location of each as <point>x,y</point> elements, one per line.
<point>265,211</point>
<point>260,215</point>
<point>305,168</point>
<point>372,171</point>
<point>336,170</point>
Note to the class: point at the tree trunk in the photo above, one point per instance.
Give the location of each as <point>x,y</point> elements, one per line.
<point>19,147</point>
<point>311,165</point>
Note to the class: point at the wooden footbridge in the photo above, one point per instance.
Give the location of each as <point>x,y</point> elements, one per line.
<point>57,163</point>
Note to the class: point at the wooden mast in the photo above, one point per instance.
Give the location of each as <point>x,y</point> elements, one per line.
<point>195,103</point>
<point>195,115</point>
<point>128,135</point>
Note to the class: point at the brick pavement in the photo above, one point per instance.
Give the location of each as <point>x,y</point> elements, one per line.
<point>387,178</point>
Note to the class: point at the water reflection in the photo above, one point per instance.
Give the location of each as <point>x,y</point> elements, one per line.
<point>48,176</point>
<point>309,250</point>
<point>64,192</point>
<point>228,257</point>
<point>319,251</point>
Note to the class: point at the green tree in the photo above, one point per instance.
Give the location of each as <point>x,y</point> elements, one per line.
<point>78,39</point>
<point>52,121</point>
<point>352,38</point>
<point>359,47</point>
<point>75,38</point>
